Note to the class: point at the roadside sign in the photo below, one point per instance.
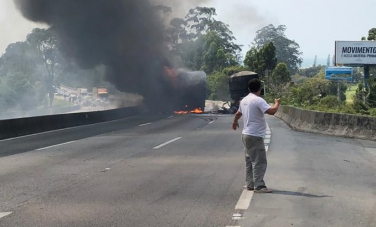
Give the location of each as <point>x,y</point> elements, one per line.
<point>339,74</point>
<point>355,52</point>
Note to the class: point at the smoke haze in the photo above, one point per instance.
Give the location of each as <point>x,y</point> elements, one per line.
<point>126,36</point>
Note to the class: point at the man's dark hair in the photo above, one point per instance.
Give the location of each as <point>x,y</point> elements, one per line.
<point>254,85</point>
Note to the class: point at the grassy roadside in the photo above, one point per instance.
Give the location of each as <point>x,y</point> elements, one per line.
<point>59,103</point>
<point>350,93</point>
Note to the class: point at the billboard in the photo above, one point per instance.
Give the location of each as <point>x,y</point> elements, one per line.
<point>355,52</point>
<point>339,73</point>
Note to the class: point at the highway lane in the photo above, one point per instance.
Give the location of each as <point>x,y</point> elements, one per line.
<point>185,171</point>
<point>30,142</point>
<point>118,179</point>
<point>318,180</point>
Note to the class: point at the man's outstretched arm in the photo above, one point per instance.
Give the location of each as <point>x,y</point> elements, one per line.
<point>235,124</point>
<point>273,110</point>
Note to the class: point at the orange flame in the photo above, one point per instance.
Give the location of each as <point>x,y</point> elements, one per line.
<point>195,111</point>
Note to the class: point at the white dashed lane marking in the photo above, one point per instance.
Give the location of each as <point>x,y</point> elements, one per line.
<point>44,148</point>
<point>267,138</point>
<point>237,216</point>
<point>246,197</point>
<point>3,214</point>
<point>168,142</point>
<point>144,124</point>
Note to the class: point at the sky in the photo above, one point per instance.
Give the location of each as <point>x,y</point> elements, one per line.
<point>314,24</point>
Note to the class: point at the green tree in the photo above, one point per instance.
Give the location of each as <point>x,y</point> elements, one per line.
<point>372,34</point>
<point>18,57</point>
<point>279,79</point>
<point>310,91</point>
<point>44,41</point>
<point>18,77</point>
<point>371,37</point>
<point>330,102</point>
<point>368,94</point>
<point>22,93</point>
<point>281,74</point>
<point>218,87</point>
<point>315,61</point>
<point>311,71</point>
<point>357,75</point>
<point>202,42</point>
<point>229,71</point>
<point>215,57</point>
<point>288,51</point>
<point>262,60</point>
<point>251,59</point>
<point>333,90</point>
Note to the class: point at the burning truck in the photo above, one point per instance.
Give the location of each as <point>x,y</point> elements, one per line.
<point>190,92</point>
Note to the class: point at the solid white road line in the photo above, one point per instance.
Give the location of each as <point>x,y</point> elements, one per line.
<point>244,200</point>
<point>58,130</point>
<point>246,197</point>
<point>3,214</point>
<point>145,124</point>
<point>170,117</point>
<point>55,145</point>
<point>211,122</point>
<point>168,142</point>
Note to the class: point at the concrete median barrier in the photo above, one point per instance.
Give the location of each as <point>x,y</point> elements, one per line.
<point>346,125</point>
<point>26,126</point>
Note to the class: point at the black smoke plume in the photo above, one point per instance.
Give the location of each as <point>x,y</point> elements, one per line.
<point>127,36</point>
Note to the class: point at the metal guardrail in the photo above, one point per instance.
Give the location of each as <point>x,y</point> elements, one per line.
<point>25,126</point>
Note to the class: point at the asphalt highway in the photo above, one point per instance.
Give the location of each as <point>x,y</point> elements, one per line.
<point>162,170</point>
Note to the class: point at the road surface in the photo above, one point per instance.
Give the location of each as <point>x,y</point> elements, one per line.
<point>161,170</point>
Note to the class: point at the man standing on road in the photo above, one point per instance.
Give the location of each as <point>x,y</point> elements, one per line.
<point>253,108</point>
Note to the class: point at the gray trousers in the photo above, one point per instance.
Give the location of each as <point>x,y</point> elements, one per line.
<point>255,159</point>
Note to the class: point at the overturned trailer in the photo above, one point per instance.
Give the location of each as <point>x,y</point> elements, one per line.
<point>238,84</point>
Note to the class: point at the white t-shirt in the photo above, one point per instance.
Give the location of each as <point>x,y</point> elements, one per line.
<point>253,109</point>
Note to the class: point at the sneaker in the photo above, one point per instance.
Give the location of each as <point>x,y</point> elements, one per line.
<point>263,190</point>
<point>248,188</point>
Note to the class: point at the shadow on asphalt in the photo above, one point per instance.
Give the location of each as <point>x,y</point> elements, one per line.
<point>297,193</point>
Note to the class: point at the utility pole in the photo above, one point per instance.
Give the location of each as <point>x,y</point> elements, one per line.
<point>365,82</point>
